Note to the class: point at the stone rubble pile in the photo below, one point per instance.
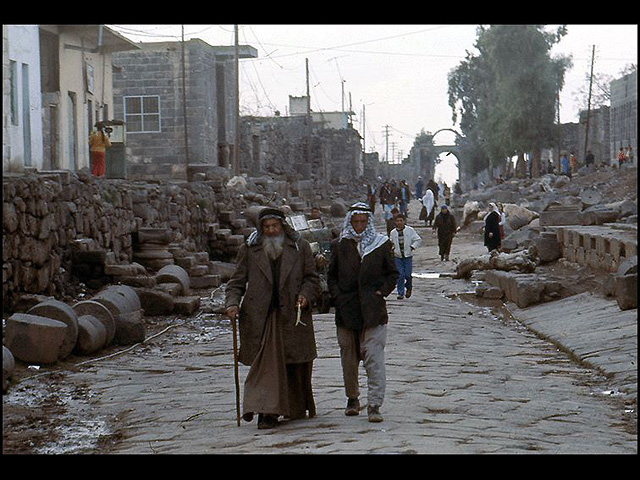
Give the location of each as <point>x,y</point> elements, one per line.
<point>588,221</point>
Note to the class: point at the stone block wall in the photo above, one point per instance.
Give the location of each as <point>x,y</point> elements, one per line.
<point>49,216</point>
<point>598,246</point>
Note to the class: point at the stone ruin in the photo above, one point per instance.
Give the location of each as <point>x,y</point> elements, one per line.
<point>589,221</point>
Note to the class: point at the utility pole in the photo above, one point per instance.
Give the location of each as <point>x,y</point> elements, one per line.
<point>386,142</point>
<point>364,135</point>
<point>309,124</point>
<point>184,108</point>
<point>236,146</point>
<point>586,136</point>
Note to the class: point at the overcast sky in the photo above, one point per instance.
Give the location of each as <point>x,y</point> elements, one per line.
<point>397,74</point>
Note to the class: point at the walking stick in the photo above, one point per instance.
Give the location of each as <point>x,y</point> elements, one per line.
<point>235,367</point>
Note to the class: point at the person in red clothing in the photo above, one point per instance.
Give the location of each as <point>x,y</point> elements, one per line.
<point>99,142</point>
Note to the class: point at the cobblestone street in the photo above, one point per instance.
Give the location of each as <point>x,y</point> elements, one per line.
<point>461,379</point>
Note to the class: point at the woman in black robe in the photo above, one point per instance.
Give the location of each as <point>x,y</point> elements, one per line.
<point>492,237</point>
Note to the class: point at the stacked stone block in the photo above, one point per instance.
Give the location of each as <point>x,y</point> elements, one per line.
<point>599,247</point>
<point>59,225</point>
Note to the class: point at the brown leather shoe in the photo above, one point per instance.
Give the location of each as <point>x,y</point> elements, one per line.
<point>374,414</point>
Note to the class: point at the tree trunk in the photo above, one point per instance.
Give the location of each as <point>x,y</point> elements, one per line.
<point>536,163</point>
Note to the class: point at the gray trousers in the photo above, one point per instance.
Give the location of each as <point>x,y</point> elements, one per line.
<point>366,345</point>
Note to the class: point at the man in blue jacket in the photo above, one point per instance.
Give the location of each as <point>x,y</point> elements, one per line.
<point>362,272</point>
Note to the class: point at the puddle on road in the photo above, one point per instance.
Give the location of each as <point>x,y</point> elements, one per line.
<point>425,275</point>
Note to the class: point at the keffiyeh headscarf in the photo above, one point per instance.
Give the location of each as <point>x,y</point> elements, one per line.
<point>369,239</point>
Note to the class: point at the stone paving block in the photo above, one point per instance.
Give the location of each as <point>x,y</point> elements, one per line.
<point>8,367</point>
<point>34,339</point>
<point>155,302</point>
<point>185,262</point>
<point>173,289</point>
<point>206,281</point>
<point>57,310</point>
<point>198,270</point>
<point>626,291</point>
<point>124,270</point>
<point>130,328</point>
<point>174,274</point>
<point>186,305</point>
<point>100,312</point>
<point>92,335</point>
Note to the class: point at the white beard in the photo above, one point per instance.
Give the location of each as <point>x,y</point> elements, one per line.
<point>273,246</point>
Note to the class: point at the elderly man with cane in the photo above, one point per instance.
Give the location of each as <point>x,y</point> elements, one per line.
<point>271,293</point>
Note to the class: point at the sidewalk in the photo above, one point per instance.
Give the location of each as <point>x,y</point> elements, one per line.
<point>594,330</point>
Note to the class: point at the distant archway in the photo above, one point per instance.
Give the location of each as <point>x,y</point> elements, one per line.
<point>448,165</point>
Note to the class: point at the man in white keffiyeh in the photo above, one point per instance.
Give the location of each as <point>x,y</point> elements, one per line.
<point>367,239</point>
<point>362,272</point>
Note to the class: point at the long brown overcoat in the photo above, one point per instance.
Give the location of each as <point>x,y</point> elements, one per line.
<point>251,287</point>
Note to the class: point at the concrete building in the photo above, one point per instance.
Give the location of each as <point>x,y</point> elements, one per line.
<point>21,102</point>
<point>77,89</point>
<point>56,85</point>
<point>624,114</point>
<point>178,103</point>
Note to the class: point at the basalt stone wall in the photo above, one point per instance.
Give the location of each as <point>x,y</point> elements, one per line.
<point>49,215</point>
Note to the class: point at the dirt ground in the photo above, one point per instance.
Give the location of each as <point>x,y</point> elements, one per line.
<point>45,413</point>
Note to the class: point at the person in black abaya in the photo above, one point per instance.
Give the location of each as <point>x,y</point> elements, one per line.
<point>492,237</point>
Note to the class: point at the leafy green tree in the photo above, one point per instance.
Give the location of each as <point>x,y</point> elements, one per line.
<point>506,95</point>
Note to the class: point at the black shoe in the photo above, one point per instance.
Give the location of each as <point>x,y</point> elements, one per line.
<point>408,293</point>
<point>400,297</point>
<point>266,421</point>
<point>353,407</point>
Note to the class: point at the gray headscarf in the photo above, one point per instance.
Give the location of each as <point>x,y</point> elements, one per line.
<point>266,214</point>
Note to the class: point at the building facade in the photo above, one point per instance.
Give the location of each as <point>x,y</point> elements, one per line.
<point>77,89</point>
<point>21,102</point>
<point>624,114</point>
<point>177,100</point>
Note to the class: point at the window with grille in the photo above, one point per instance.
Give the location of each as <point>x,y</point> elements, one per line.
<point>142,114</point>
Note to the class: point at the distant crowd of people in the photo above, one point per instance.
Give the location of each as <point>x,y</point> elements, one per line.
<point>568,164</point>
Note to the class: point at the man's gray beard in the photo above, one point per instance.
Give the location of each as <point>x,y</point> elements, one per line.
<point>273,246</point>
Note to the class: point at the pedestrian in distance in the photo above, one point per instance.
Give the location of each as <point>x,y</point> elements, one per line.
<point>391,222</point>
<point>419,188</point>
<point>628,155</point>
<point>428,204</point>
<point>573,163</point>
<point>387,199</point>
<point>271,293</point>
<point>503,221</point>
<point>362,272</point>
<point>621,157</point>
<point>492,237</point>
<point>404,197</point>
<point>99,141</point>
<point>565,166</point>
<point>405,241</point>
<point>446,226</point>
